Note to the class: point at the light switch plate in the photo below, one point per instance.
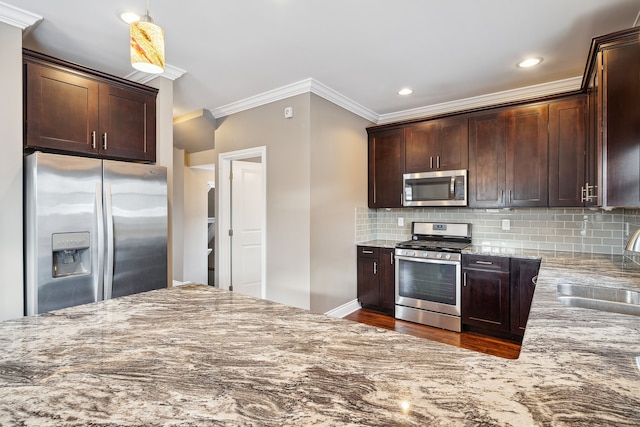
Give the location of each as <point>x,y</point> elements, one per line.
<point>400,222</point>
<point>506,225</point>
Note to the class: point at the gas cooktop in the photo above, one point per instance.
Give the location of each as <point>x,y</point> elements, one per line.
<point>441,237</point>
<point>433,245</point>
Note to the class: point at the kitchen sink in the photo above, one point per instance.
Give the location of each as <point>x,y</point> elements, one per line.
<point>599,298</point>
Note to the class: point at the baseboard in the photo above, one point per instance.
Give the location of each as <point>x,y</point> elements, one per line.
<point>344,309</point>
<point>179,283</point>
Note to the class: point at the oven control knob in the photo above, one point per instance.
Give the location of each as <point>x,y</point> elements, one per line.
<point>448,256</point>
<point>439,255</point>
<point>424,254</point>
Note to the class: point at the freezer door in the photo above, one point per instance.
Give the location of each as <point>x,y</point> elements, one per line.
<point>63,198</point>
<point>136,228</point>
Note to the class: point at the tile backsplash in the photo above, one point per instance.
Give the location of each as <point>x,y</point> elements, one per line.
<point>555,229</point>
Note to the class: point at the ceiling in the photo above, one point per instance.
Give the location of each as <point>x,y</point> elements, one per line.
<point>362,51</point>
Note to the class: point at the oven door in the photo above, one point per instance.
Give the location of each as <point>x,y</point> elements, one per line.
<point>428,284</point>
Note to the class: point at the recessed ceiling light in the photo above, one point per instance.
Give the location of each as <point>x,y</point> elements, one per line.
<point>129,17</point>
<point>529,62</point>
<point>405,91</point>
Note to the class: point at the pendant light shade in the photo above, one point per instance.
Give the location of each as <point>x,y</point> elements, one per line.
<point>147,45</point>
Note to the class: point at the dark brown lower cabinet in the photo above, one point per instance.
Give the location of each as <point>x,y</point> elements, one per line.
<point>376,278</point>
<point>524,274</point>
<point>497,294</point>
<point>485,293</point>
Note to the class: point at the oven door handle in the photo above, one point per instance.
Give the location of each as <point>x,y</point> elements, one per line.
<point>427,260</point>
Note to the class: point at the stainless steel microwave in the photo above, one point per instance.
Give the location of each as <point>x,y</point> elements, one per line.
<point>442,188</point>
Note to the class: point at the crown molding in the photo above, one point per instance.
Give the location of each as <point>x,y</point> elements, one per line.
<point>17,17</point>
<point>170,72</point>
<point>520,94</point>
<point>303,86</point>
<point>293,89</point>
<point>331,95</point>
<point>324,91</point>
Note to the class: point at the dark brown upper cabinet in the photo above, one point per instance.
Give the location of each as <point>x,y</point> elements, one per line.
<point>508,164</point>
<point>69,108</point>
<point>568,152</point>
<point>437,145</point>
<point>487,160</point>
<point>612,76</point>
<point>386,167</point>
<point>527,156</point>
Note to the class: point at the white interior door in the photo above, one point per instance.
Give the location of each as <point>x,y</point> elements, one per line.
<point>246,223</point>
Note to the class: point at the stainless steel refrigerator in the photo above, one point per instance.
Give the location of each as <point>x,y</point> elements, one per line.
<point>94,229</point>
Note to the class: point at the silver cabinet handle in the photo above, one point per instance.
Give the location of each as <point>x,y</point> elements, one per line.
<point>431,162</point>
<point>465,279</point>
<point>366,252</point>
<point>510,198</point>
<point>438,162</point>
<point>484,262</point>
<point>502,196</point>
<point>104,141</point>
<point>93,139</point>
<point>534,280</point>
<point>375,267</point>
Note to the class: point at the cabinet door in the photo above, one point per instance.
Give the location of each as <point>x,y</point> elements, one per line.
<point>593,170</point>
<point>368,282</point>
<point>127,123</point>
<point>386,166</point>
<point>487,161</point>
<point>527,156</point>
<point>567,151</point>
<point>421,147</point>
<point>524,274</point>
<point>437,145</point>
<point>485,299</point>
<point>387,280</point>
<point>453,144</point>
<point>61,110</point>
<point>622,124</point>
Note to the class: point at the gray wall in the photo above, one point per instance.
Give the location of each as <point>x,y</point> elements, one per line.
<point>11,283</point>
<point>338,186</point>
<point>288,196</point>
<point>316,177</point>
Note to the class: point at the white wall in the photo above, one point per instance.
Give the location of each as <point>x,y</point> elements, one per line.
<point>11,244</point>
<point>195,225</point>
<point>165,154</point>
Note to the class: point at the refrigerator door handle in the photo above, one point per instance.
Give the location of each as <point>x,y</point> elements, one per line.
<point>108,267</point>
<point>100,228</point>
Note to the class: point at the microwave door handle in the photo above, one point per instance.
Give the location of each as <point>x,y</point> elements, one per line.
<point>452,188</point>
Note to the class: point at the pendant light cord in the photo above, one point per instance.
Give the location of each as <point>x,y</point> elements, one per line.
<point>635,23</point>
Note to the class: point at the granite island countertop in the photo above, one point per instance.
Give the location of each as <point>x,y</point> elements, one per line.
<point>198,356</point>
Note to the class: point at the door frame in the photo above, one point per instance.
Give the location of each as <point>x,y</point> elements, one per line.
<point>224,217</point>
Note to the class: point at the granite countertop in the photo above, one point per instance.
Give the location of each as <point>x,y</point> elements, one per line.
<point>198,356</point>
<point>379,243</point>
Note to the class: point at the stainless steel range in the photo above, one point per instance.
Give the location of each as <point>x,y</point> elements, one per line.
<point>428,274</point>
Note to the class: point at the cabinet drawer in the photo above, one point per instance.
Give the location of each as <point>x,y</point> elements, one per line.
<point>483,262</point>
<point>368,251</point>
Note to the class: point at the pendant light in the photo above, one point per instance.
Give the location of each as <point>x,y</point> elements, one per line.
<point>147,45</point>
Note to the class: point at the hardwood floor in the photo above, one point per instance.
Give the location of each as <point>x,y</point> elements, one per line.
<point>468,340</point>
